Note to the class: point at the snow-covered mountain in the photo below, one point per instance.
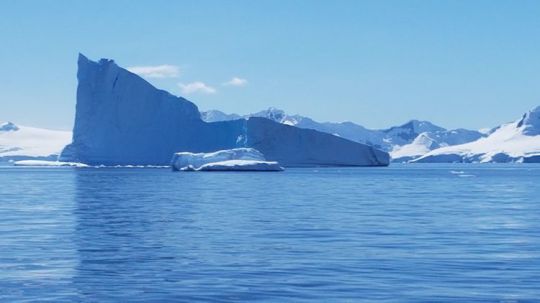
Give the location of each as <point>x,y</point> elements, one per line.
<point>19,142</point>
<point>271,113</point>
<point>347,130</point>
<point>421,145</point>
<point>216,116</point>
<point>428,141</point>
<point>406,133</point>
<point>122,119</point>
<point>404,142</point>
<point>518,141</point>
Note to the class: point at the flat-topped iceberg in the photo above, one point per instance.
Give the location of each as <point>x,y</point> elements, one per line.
<point>240,159</point>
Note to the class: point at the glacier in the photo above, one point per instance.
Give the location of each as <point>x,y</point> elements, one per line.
<point>518,141</point>
<point>18,142</point>
<point>121,119</point>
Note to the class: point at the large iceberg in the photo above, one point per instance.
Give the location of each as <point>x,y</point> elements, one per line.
<point>123,120</point>
<point>232,159</point>
<point>518,141</point>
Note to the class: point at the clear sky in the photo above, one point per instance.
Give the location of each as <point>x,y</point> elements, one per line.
<point>470,64</point>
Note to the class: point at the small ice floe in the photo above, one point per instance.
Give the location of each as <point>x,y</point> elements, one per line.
<point>465,176</point>
<point>237,159</point>
<point>43,163</point>
<point>461,174</point>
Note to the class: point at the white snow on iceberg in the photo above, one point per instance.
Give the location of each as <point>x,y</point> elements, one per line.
<point>247,159</point>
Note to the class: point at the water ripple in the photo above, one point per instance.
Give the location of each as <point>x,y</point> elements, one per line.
<point>403,233</point>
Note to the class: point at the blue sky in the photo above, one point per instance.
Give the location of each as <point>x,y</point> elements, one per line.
<point>457,63</point>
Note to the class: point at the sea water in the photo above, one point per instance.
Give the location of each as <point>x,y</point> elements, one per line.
<point>401,233</point>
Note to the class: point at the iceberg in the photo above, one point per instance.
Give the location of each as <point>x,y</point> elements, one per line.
<point>240,159</point>
<point>123,120</point>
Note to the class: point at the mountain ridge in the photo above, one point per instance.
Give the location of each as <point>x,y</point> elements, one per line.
<point>391,139</point>
<point>517,141</point>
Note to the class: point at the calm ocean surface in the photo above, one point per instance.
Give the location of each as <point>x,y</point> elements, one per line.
<point>403,233</point>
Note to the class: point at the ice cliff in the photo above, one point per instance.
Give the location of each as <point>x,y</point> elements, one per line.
<point>123,120</point>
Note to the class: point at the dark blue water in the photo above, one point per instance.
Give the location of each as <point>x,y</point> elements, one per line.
<point>404,233</point>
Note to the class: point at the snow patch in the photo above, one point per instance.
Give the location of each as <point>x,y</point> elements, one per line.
<point>247,159</point>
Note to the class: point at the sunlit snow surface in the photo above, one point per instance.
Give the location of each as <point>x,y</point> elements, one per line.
<point>518,141</point>
<point>19,142</point>
<point>237,159</point>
